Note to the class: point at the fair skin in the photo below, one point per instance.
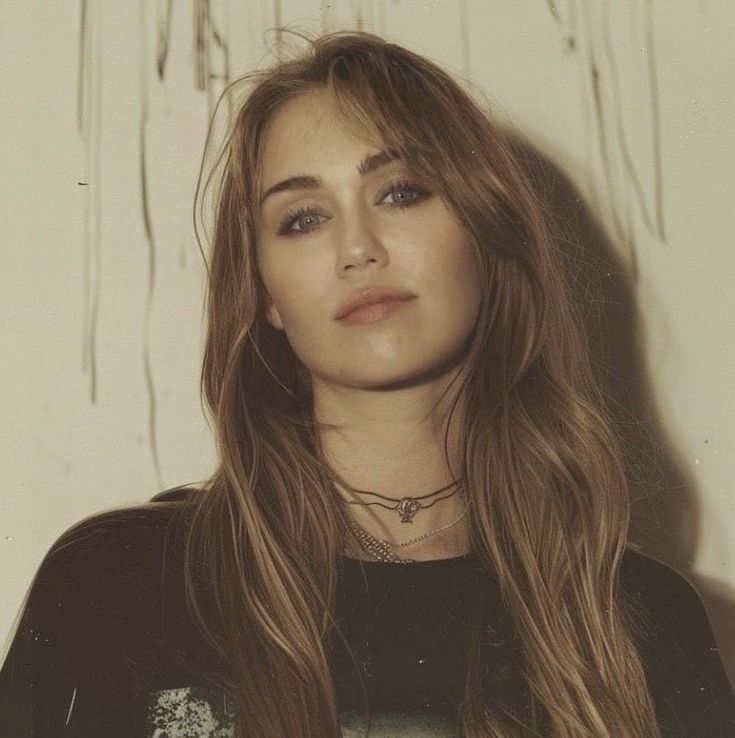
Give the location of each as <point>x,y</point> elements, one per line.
<point>381,381</point>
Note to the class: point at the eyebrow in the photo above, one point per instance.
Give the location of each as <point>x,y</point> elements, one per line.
<point>308,181</point>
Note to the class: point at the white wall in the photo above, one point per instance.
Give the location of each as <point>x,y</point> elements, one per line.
<point>75,281</point>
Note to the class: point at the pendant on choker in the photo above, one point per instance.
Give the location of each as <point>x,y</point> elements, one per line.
<point>407,508</point>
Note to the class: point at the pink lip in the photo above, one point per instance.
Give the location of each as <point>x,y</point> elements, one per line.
<point>374,311</point>
<point>367,296</point>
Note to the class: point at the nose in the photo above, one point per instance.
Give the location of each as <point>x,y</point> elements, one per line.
<point>360,243</point>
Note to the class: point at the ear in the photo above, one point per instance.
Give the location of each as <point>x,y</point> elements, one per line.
<point>273,316</point>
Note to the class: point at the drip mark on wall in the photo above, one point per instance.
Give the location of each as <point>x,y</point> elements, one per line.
<point>655,119</point>
<point>602,95</point>
<point>360,22</point>
<point>201,54</point>
<point>81,54</point>
<point>464,30</point>
<point>89,124</point>
<point>208,38</point>
<point>602,139</point>
<point>620,123</point>
<point>551,5</point>
<point>223,46</point>
<point>278,21</point>
<point>598,108</point>
<point>163,37</point>
<point>148,227</point>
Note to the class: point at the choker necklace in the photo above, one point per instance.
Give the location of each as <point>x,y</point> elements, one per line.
<point>406,507</point>
<point>381,550</point>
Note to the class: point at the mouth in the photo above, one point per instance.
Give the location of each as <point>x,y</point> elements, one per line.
<point>366,297</point>
<point>374,311</point>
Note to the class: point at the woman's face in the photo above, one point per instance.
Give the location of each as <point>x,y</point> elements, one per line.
<point>343,226</point>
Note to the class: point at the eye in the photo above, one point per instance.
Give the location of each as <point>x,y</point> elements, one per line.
<point>307,218</point>
<point>404,193</point>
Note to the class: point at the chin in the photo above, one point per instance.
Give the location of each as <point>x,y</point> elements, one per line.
<point>377,375</point>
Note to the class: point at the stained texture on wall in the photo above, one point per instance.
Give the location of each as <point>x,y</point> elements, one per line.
<point>584,28</point>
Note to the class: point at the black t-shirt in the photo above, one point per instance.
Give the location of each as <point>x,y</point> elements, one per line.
<point>107,647</point>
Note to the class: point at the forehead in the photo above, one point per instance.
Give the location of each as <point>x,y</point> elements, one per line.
<point>309,129</point>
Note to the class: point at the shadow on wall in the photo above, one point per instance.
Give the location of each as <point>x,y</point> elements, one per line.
<point>665,513</point>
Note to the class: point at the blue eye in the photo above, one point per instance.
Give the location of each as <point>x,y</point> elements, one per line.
<point>306,217</point>
<point>404,194</point>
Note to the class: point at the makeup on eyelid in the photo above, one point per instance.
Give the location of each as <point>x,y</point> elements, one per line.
<point>292,217</point>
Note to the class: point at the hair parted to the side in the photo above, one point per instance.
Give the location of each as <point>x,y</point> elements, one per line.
<point>549,502</point>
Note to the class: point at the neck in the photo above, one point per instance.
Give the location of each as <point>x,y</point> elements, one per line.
<point>392,442</point>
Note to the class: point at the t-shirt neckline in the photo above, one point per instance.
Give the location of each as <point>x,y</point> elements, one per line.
<point>461,558</point>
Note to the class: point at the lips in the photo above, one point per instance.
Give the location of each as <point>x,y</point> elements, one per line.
<point>370,296</point>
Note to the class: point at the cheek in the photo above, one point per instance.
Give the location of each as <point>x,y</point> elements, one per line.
<point>465,295</point>
<point>286,282</point>
<point>452,264</point>
<point>461,282</point>
<point>297,300</point>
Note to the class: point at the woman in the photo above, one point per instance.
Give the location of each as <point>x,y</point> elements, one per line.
<point>418,524</point>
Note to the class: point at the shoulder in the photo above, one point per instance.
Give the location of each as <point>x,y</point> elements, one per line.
<point>106,579</point>
<point>116,541</point>
<point>641,569</point>
<point>662,605</point>
<point>104,599</point>
<point>674,637</point>
<point>646,578</point>
<point>661,597</point>
<point>111,566</point>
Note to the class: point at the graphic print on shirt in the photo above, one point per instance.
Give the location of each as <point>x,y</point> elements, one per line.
<point>190,712</point>
<point>196,712</point>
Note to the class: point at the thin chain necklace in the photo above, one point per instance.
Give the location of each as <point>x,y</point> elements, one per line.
<point>408,506</point>
<point>383,551</point>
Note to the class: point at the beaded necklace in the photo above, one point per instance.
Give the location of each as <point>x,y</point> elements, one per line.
<point>381,550</point>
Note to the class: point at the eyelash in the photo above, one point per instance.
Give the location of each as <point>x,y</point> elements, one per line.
<point>284,229</point>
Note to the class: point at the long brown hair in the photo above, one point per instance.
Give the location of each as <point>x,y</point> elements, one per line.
<point>549,503</point>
